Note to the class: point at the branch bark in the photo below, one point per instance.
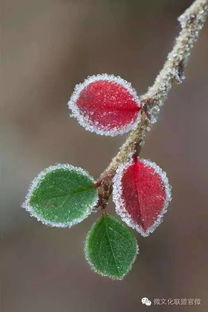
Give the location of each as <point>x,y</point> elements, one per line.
<point>191,22</point>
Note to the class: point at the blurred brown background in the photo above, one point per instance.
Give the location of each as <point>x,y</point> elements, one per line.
<point>47,47</point>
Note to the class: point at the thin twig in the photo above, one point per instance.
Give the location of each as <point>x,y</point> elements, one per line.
<point>191,21</point>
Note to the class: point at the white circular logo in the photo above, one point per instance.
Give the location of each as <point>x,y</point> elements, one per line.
<point>146,301</point>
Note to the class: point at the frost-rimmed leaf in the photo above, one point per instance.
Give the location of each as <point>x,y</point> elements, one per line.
<point>61,196</point>
<point>105,104</point>
<point>110,247</point>
<point>141,193</point>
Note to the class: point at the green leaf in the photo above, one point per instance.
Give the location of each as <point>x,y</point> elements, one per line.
<point>110,248</point>
<point>61,196</point>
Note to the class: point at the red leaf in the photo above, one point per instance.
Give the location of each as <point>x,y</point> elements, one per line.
<point>105,104</point>
<point>141,193</point>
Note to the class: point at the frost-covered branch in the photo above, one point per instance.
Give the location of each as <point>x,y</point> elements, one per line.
<point>191,21</point>
<point>64,195</point>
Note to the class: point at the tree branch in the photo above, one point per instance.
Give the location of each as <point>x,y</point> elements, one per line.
<point>191,21</point>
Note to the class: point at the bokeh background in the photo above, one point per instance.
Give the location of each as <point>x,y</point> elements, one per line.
<point>47,47</point>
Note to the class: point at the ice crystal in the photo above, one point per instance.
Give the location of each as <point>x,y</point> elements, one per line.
<point>105,104</point>
<point>125,198</point>
<point>61,196</point>
<point>110,248</point>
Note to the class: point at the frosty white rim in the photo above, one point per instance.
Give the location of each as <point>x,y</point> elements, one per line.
<point>120,204</point>
<point>88,124</point>
<point>26,204</point>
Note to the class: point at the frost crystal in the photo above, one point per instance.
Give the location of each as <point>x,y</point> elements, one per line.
<point>105,104</point>
<point>110,248</point>
<point>61,196</point>
<point>141,194</point>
